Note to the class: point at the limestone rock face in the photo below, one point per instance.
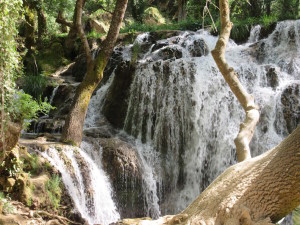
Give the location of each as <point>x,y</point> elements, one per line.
<point>121,162</point>
<point>12,134</point>
<point>115,104</point>
<point>290,100</point>
<point>99,26</point>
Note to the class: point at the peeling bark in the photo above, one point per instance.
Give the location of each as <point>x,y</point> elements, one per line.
<point>246,100</point>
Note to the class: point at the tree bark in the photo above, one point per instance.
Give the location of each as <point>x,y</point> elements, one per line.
<point>72,131</point>
<point>182,10</point>
<point>246,100</point>
<point>259,191</point>
<point>42,24</point>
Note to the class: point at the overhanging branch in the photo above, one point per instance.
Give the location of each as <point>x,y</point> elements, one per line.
<point>246,100</point>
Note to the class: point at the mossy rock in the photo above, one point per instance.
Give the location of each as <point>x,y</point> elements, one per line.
<point>50,59</point>
<point>152,16</point>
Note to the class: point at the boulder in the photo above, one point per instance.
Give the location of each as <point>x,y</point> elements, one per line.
<point>105,131</point>
<point>198,48</point>
<point>152,16</point>
<point>122,164</point>
<point>99,26</point>
<point>272,76</point>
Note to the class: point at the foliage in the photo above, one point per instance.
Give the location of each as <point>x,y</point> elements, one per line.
<point>52,8</point>
<point>23,107</point>
<point>91,5</point>
<point>183,25</point>
<point>7,206</point>
<point>34,85</point>
<point>153,13</point>
<point>9,57</point>
<point>136,48</point>
<point>53,187</point>
<point>137,9</point>
<point>35,163</point>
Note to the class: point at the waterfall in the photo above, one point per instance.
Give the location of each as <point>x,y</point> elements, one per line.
<point>254,34</point>
<point>86,182</point>
<point>53,95</point>
<point>181,106</point>
<point>183,116</point>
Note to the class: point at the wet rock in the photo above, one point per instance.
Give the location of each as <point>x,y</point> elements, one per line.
<point>265,31</point>
<point>159,44</point>
<point>115,105</point>
<point>47,125</point>
<point>272,77</point>
<point>79,68</point>
<point>290,100</point>
<point>122,164</point>
<point>170,52</point>
<point>105,131</point>
<point>62,100</point>
<point>198,48</point>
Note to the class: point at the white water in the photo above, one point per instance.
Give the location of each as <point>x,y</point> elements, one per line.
<point>183,108</point>
<point>94,110</point>
<point>53,95</point>
<point>185,118</point>
<point>86,182</point>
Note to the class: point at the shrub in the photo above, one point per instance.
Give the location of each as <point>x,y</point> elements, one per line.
<point>35,85</point>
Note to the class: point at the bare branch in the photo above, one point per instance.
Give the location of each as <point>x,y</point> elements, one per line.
<point>104,9</point>
<point>83,38</point>
<point>246,100</point>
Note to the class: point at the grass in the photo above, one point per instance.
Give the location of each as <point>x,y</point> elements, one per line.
<point>53,187</point>
<point>8,208</point>
<point>184,25</point>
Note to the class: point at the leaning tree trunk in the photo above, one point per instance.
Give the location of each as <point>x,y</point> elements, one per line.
<point>257,191</point>
<point>72,131</point>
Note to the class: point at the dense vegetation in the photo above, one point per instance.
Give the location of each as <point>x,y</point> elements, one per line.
<point>39,36</point>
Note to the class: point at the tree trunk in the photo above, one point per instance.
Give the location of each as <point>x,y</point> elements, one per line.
<point>72,131</point>
<point>268,7</point>
<point>259,191</point>
<point>182,10</point>
<point>265,187</point>
<point>42,24</point>
<point>29,28</point>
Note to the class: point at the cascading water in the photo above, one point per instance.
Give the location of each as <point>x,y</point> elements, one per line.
<point>182,107</point>
<point>85,181</point>
<point>185,117</point>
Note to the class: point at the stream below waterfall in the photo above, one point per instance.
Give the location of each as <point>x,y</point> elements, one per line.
<point>182,118</point>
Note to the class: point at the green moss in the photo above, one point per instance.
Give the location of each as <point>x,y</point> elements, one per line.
<point>50,59</point>
<point>153,16</point>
